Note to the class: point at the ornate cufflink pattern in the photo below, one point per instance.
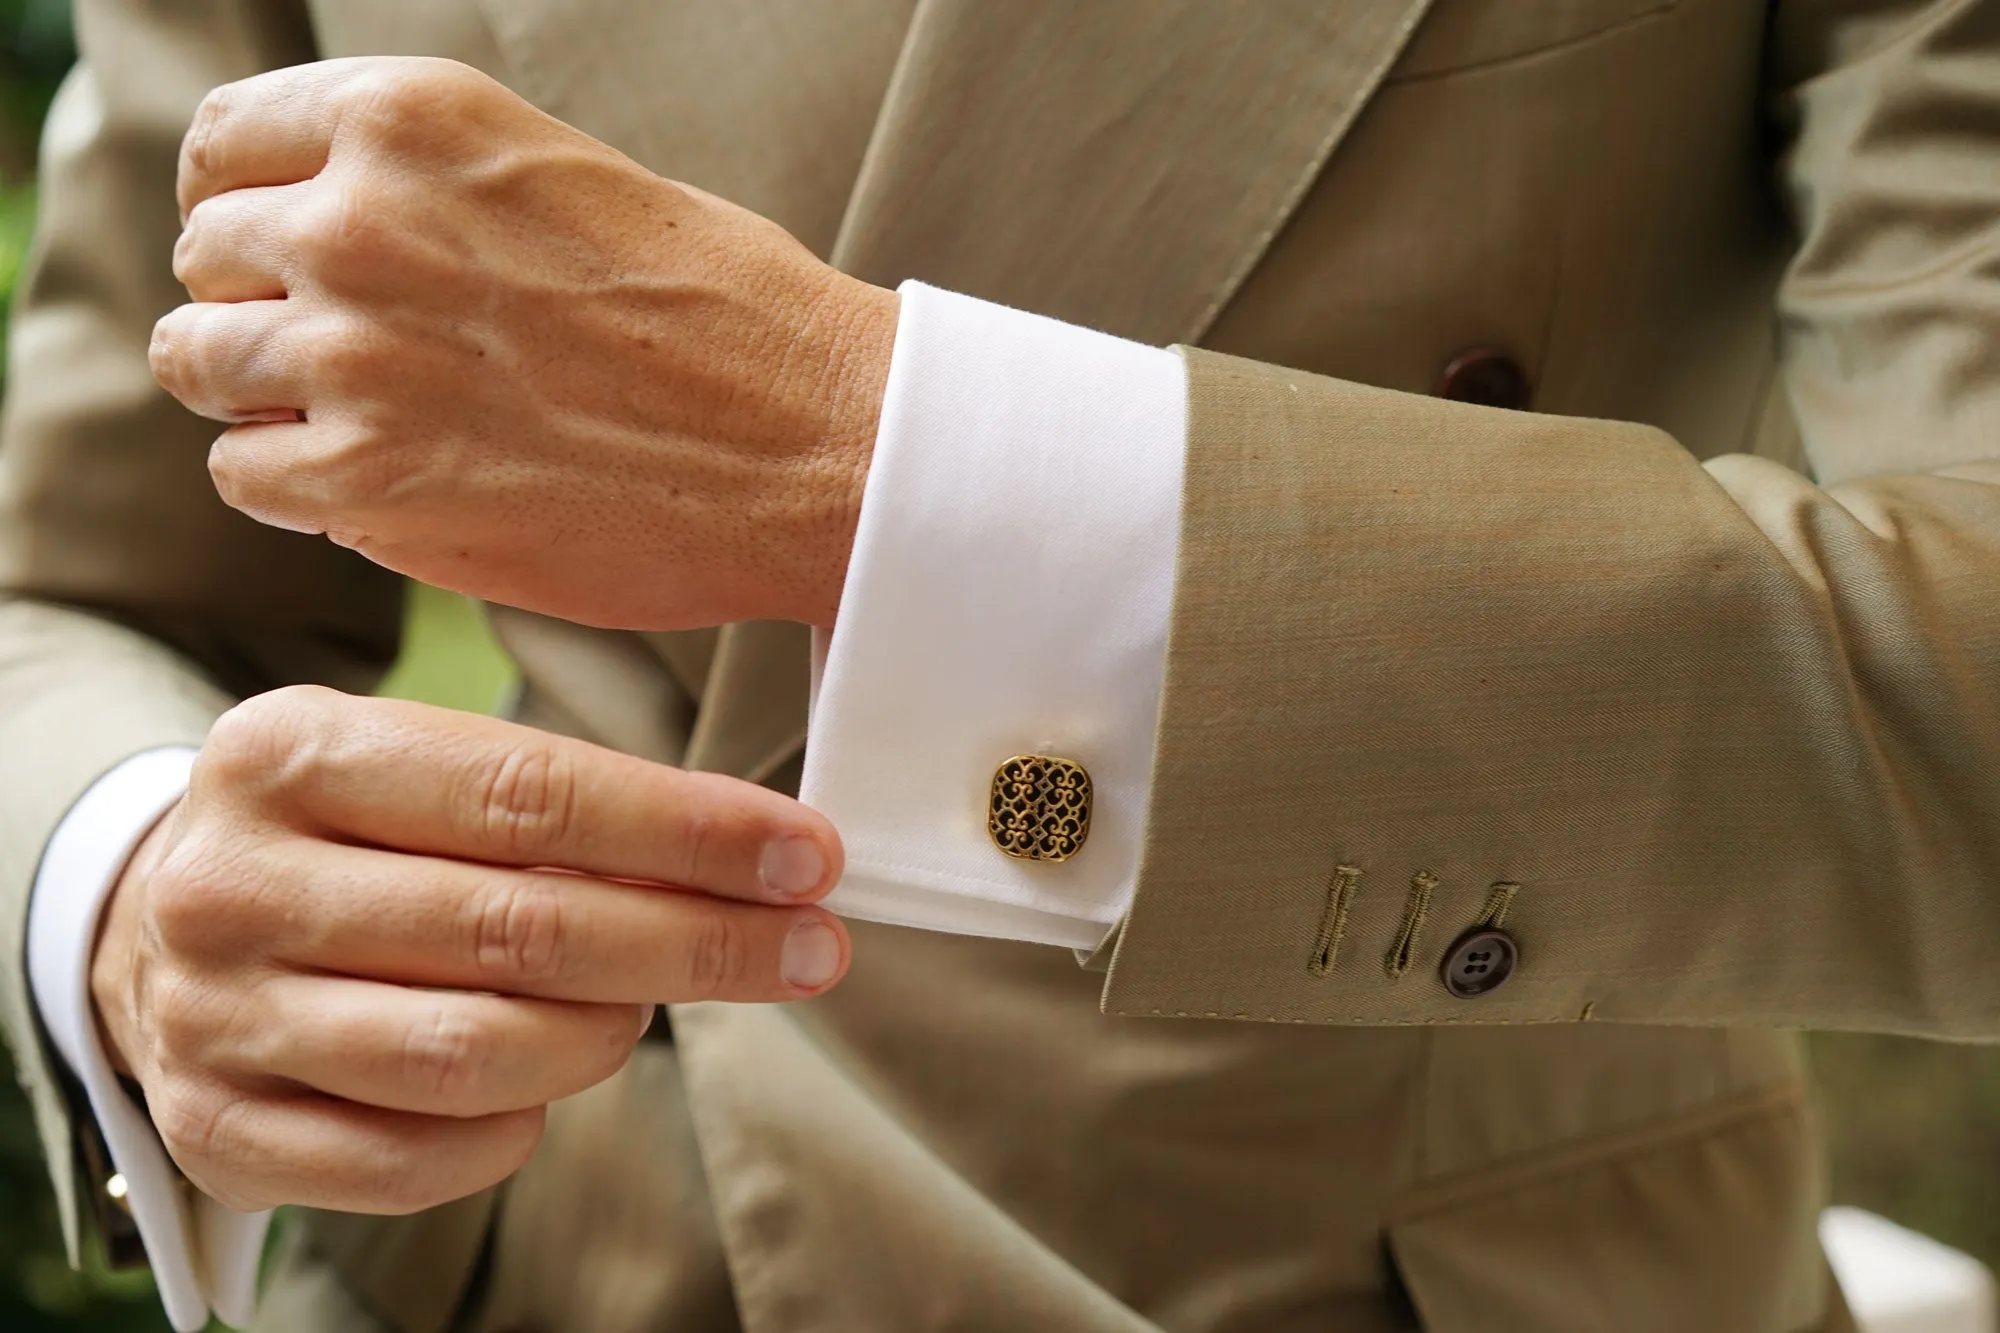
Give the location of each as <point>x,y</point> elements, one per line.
<point>1040,809</point>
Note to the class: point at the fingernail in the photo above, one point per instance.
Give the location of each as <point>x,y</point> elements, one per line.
<point>792,866</point>
<point>811,955</point>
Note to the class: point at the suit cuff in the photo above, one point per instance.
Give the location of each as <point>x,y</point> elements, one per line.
<point>1009,593</point>
<point>203,1256</point>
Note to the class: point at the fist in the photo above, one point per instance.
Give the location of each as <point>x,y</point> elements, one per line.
<point>492,353</point>
<point>375,939</point>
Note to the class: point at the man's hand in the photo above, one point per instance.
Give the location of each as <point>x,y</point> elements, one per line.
<point>375,939</point>
<point>493,353</point>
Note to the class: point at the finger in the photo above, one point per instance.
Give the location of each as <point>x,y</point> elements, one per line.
<point>303,475</point>
<point>424,921</point>
<point>236,246</point>
<point>251,1152</point>
<point>280,127</point>
<point>422,779</point>
<point>233,362</point>
<point>274,128</point>
<point>438,1052</point>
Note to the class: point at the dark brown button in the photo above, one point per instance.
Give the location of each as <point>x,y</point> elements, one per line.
<point>1480,961</point>
<point>1488,378</point>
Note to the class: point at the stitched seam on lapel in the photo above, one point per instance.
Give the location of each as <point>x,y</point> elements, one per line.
<point>1517,57</point>
<point>1289,203</point>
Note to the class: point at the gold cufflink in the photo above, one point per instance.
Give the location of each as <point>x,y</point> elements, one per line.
<point>1040,809</point>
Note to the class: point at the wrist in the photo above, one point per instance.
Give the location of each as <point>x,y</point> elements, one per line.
<point>115,951</point>
<point>855,378</point>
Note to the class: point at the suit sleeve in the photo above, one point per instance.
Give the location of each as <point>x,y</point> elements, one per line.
<point>134,607</point>
<point>1716,743</point>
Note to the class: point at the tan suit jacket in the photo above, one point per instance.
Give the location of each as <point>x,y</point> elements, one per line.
<point>1703,654</point>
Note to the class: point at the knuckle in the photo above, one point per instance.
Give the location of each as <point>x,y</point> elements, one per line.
<point>208,351</point>
<point>334,480</point>
<point>254,735</point>
<point>184,259</point>
<point>326,482</point>
<point>519,932</point>
<point>222,907</point>
<point>188,1015</point>
<point>172,352</point>
<point>178,1019</point>
<point>249,481</point>
<point>237,482</point>
<point>198,147</point>
<point>196,1124</point>
<point>717,954</point>
<point>176,1114</point>
<point>339,225</point>
<point>402,101</point>
<point>187,901</point>
<point>526,800</point>
<point>163,354</point>
<point>194,247</point>
<point>201,217</point>
<point>346,357</point>
<point>269,741</point>
<point>697,837</point>
<point>448,1056</point>
<point>392,95</point>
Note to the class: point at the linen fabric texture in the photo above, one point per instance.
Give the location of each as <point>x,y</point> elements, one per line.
<point>1701,654</point>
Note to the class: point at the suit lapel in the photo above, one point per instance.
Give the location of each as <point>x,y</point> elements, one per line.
<point>768,103</point>
<point>1120,166</point>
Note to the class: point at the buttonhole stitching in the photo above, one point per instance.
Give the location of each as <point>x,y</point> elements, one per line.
<point>1498,901</point>
<point>1415,911</point>
<point>1333,921</point>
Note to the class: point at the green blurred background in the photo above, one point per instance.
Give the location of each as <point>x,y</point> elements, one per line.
<point>1913,1124</point>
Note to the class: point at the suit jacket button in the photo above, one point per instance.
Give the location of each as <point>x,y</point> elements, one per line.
<point>1488,378</point>
<point>1480,961</point>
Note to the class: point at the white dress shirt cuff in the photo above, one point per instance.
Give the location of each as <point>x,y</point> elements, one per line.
<point>1009,593</point>
<point>203,1256</point>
